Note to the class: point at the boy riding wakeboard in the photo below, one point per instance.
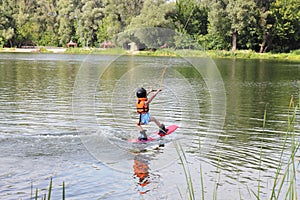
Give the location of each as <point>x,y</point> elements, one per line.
<point>142,106</point>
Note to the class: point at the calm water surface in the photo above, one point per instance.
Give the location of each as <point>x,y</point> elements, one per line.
<point>69,117</point>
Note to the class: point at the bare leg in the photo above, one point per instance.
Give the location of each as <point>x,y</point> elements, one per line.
<point>143,135</point>
<point>139,126</point>
<point>162,129</point>
<point>153,119</point>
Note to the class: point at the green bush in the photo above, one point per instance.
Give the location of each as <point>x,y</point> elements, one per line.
<point>296,52</point>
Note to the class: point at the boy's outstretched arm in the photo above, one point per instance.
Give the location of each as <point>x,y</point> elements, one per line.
<point>149,92</point>
<point>152,97</point>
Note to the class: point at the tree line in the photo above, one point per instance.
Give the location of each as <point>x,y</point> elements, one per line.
<point>258,25</point>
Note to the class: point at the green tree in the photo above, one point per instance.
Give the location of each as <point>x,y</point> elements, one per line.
<point>66,20</point>
<point>241,15</point>
<point>190,17</point>
<point>102,33</point>
<point>148,29</point>
<point>8,9</point>
<point>229,19</point>
<point>153,14</point>
<point>88,21</point>
<point>45,17</point>
<point>35,22</point>
<point>119,13</point>
<point>285,31</point>
<point>219,26</point>
<point>28,33</point>
<point>24,25</point>
<point>264,25</point>
<point>8,35</point>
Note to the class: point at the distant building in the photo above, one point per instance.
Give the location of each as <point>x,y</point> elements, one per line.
<point>107,44</point>
<point>133,46</point>
<point>71,44</point>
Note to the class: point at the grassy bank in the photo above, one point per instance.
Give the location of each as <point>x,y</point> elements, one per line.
<point>108,51</point>
<point>242,54</point>
<point>294,55</point>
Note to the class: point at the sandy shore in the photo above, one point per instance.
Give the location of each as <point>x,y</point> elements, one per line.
<point>32,50</point>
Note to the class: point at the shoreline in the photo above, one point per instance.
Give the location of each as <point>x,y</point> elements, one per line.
<point>33,50</point>
<point>239,54</point>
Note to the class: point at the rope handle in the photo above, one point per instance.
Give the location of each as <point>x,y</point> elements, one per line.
<point>156,90</point>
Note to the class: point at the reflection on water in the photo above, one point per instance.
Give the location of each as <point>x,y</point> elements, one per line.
<point>41,135</point>
<point>141,172</point>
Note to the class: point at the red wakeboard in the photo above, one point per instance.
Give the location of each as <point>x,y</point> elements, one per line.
<point>170,129</point>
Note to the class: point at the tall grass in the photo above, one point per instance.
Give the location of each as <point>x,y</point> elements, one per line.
<point>45,196</point>
<point>215,197</point>
<point>287,175</point>
<point>284,183</point>
<point>187,173</point>
<point>257,195</point>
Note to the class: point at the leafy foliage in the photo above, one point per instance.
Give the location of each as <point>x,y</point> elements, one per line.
<point>285,31</point>
<point>153,14</point>
<point>259,25</point>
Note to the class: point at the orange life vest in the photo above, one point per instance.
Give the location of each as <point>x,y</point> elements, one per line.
<point>141,106</point>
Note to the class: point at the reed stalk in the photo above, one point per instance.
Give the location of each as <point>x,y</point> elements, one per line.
<point>217,180</point>
<point>48,196</point>
<point>289,174</point>
<point>259,178</point>
<point>64,191</point>
<point>36,194</point>
<point>188,177</point>
<point>202,183</point>
<point>260,158</point>
<point>50,189</point>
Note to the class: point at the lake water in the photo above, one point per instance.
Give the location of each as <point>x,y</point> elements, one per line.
<point>70,117</point>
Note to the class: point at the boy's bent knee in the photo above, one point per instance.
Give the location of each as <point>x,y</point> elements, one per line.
<point>139,123</point>
<point>152,119</point>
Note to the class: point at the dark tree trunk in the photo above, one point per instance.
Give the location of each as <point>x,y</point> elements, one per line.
<point>234,39</point>
<point>263,46</point>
